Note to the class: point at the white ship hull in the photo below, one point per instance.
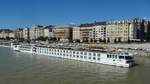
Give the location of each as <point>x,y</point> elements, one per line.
<point>89,56</point>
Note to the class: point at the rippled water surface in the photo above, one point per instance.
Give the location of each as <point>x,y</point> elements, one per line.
<point>24,68</point>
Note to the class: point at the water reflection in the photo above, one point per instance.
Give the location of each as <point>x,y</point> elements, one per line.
<point>39,69</point>
<point>101,71</point>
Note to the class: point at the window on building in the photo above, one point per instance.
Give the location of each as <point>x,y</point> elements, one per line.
<point>108,56</point>
<point>85,53</point>
<point>98,54</point>
<point>98,58</point>
<point>116,56</point>
<point>73,52</point>
<point>94,54</point>
<point>85,57</point>
<point>94,58</point>
<point>121,57</point>
<point>89,53</point>
<point>113,56</point>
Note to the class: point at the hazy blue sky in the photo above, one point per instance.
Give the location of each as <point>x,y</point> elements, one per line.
<point>21,13</point>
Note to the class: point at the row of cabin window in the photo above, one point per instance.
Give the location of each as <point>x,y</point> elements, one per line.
<point>112,56</point>
<point>115,56</point>
<point>25,49</point>
<point>77,52</point>
<point>85,57</point>
<point>43,48</point>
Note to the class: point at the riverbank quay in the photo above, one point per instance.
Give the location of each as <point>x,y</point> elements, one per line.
<point>5,43</point>
<point>137,49</point>
<point>5,46</point>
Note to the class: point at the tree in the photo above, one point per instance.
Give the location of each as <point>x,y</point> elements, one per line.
<point>58,39</point>
<point>100,40</point>
<point>129,41</point>
<point>7,38</point>
<point>21,39</point>
<point>119,39</point>
<point>108,40</point>
<point>95,40</point>
<point>91,40</point>
<point>41,38</point>
<point>104,40</point>
<point>115,41</point>
<point>85,40</point>
<point>77,40</point>
<point>53,39</point>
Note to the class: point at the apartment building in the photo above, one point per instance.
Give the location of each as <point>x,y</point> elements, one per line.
<point>76,33</point>
<point>126,30</point>
<point>4,34</point>
<point>93,32</point>
<point>19,33</point>
<point>99,32</point>
<point>11,34</point>
<point>63,33</point>
<point>36,31</point>
<point>48,31</point>
<point>86,32</point>
<point>26,33</point>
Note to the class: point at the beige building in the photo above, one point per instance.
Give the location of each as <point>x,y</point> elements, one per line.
<point>85,33</point>
<point>48,31</point>
<point>12,35</point>
<point>4,34</point>
<point>63,33</point>
<point>120,31</point>
<point>93,32</point>
<point>36,32</point>
<point>99,33</point>
<point>26,33</point>
<point>0,35</point>
<point>76,33</point>
<point>19,33</point>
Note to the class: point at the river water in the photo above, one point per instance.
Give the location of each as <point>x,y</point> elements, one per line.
<point>24,68</point>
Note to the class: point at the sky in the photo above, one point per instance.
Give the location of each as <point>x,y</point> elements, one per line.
<point>25,13</point>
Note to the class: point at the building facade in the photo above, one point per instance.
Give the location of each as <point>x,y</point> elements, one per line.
<point>19,34</point>
<point>127,30</point>
<point>36,31</point>
<point>99,33</point>
<point>76,34</point>
<point>93,32</point>
<point>12,35</point>
<point>86,32</point>
<point>26,33</point>
<point>48,31</point>
<point>4,34</point>
<point>64,34</point>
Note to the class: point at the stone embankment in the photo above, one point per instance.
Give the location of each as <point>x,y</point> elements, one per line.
<point>138,49</point>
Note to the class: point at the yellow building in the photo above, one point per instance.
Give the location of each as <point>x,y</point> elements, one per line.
<point>121,31</point>
<point>85,33</point>
<point>93,32</point>
<point>63,33</point>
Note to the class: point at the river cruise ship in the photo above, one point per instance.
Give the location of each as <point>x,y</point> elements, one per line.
<point>121,59</point>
